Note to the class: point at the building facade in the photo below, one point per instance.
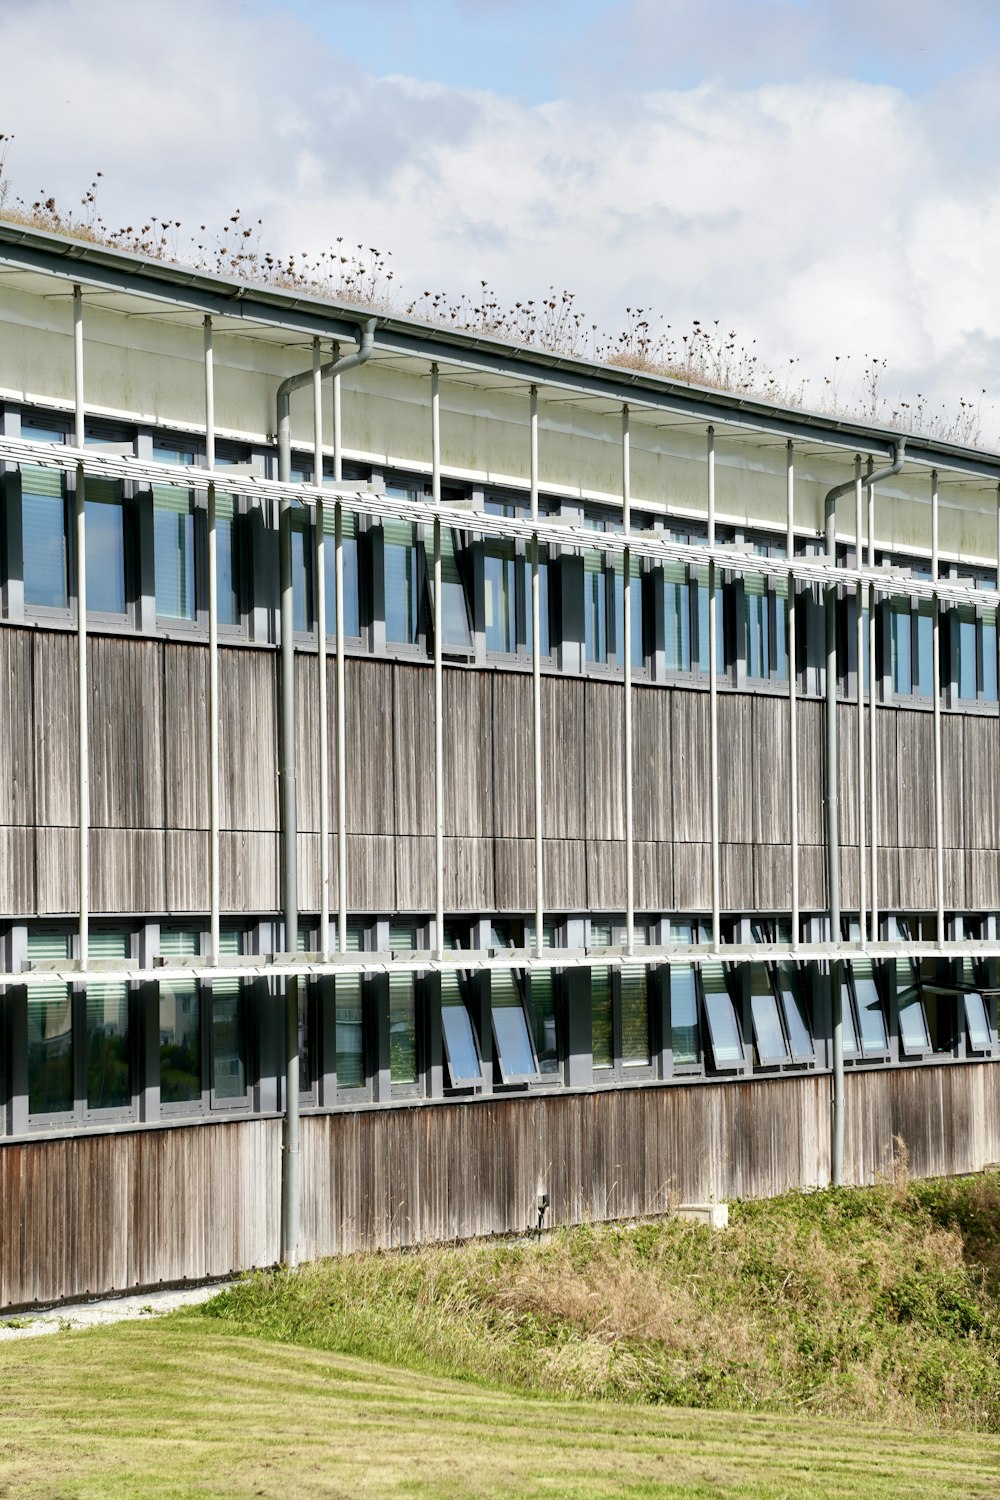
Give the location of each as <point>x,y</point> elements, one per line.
<point>463,730</point>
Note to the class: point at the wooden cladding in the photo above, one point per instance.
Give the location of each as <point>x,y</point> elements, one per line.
<point>149,788</point>
<point>88,1215</point>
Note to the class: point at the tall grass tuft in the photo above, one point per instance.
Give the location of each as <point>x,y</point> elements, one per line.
<point>878,1303</point>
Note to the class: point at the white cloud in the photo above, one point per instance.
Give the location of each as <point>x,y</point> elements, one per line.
<point>822,217</point>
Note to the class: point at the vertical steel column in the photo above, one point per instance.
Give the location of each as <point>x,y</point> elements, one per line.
<point>290,1192</point>
<point>833,850</point>
<point>536,676</point>
<point>324,736</point>
<point>793,727</point>
<point>859,639</point>
<point>936,679</point>
<point>214,879</point>
<point>713,702</point>
<point>627,645</point>
<point>872,726</point>
<point>83,742</point>
<point>338,544</point>
<point>438,671</point>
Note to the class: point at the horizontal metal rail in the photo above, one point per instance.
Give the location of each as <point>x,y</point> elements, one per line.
<point>460,961</point>
<point>553,532</point>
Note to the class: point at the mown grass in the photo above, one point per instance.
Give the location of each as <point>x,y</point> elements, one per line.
<point>181,1408</point>
<point>879,1304</point>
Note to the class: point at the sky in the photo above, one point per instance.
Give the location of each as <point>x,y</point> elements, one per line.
<point>820,175</point>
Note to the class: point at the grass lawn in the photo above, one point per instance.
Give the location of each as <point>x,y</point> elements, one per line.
<point>184,1407</point>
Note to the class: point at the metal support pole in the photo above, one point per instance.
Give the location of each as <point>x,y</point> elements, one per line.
<point>83,742</point>
<point>438,671</point>
<point>214,879</point>
<point>290,1192</point>
<point>833,852</point>
<point>338,543</point>
<point>324,736</point>
<point>713,702</point>
<point>936,678</point>
<point>859,639</point>
<point>793,727</point>
<point>872,725</point>
<point>627,646</point>
<point>536,677</point>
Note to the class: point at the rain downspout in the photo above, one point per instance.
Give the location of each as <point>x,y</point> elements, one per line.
<point>833,808</point>
<point>290,1189</point>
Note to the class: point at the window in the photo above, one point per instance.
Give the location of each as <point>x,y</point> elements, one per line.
<point>974,632</point>
<point>352,577</point>
<point>867,1005</point>
<point>173,552</point>
<point>105,526</point>
<point>44,552</point>
<point>769,1037</point>
<point>303,610</point>
<point>402,1012</point>
<point>107,1030</point>
<point>349,1018</point>
<point>228,1029</point>
<point>455,630</point>
<point>723,1027</point>
<point>977,1016</point>
<point>685,1040</point>
<point>619,1000</point>
<point>227,560</point>
<point>542,989</point>
<point>51,1089</point>
<point>765,608</point>
<point>911,641</point>
<point>514,1051</point>
<point>913,1033</point>
<point>181,1044</point>
<point>793,1006</point>
<point>401,570</point>
<point>507,614</point>
<point>604,603</point>
<point>686,612</point>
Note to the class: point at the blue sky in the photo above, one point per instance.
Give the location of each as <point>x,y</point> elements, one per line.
<point>820,175</point>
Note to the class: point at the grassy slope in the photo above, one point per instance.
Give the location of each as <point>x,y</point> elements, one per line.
<point>184,1408</point>
<point>879,1303</point>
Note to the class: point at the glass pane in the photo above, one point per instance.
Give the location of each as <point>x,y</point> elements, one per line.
<point>988,629</point>
<point>499,580</point>
<point>635,611</point>
<point>767,1030</point>
<point>227,570</point>
<point>350,1033</point>
<point>635,1016</point>
<point>543,604</point>
<point>50,1033</point>
<point>595,607</point>
<point>677,617</point>
<point>455,629</point>
<point>459,1039</point>
<point>871,1018</point>
<point>602,1018</point>
<point>967,674</point>
<point>727,1046</point>
<point>229,1079</point>
<point>43,539</point>
<point>912,1021</point>
<point>924,678</point>
<point>105,523</point>
<point>173,550</point>
<point>543,1018</point>
<point>180,1026</point>
<point>401,596</point>
<point>683,1014</point>
<point>352,601</point>
<point>978,1020</point>
<point>850,1032</point>
<point>510,1027</point>
<point>902,677</point>
<point>402,1029</point>
<point>302,573</point>
<point>108,1073</point>
<point>803,1049</point>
